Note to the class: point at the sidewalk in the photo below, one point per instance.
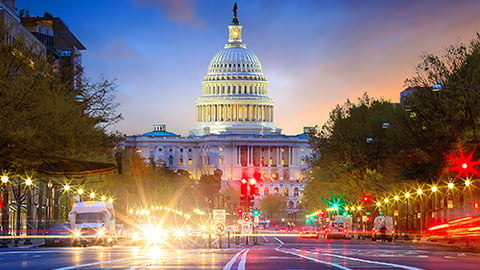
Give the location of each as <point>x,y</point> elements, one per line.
<point>21,243</point>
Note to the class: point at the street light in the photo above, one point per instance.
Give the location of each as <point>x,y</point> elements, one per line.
<point>92,195</point>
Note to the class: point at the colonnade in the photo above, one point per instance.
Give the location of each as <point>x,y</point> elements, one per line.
<point>234,112</point>
<point>252,89</point>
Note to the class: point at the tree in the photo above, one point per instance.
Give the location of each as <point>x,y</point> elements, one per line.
<point>41,119</point>
<point>273,205</point>
<point>438,122</point>
<point>353,151</point>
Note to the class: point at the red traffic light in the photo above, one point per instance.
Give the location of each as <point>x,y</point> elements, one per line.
<point>476,205</point>
<point>240,211</point>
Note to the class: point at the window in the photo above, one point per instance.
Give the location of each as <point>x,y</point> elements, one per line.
<point>189,162</point>
<point>302,162</point>
<point>220,149</point>
<point>295,192</point>
<point>170,160</point>
<point>189,150</point>
<point>302,150</point>
<point>181,162</point>
<point>285,191</point>
<point>275,190</point>
<point>181,149</point>
<point>283,161</point>
<point>266,191</point>
<point>220,160</point>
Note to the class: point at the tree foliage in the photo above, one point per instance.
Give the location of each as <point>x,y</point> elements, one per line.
<point>41,117</point>
<point>274,205</point>
<point>422,130</point>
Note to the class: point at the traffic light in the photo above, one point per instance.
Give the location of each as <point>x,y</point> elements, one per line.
<point>256,212</point>
<point>239,211</point>
<point>244,189</point>
<point>476,205</point>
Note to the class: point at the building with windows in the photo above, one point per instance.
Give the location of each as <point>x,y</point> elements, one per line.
<point>234,129</point>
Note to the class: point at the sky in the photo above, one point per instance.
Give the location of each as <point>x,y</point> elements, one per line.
<point>314,53</point>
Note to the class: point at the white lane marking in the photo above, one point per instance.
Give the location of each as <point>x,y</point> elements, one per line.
<point>280,241</point>
<point>228,266</point>
<point>374,262</point>
<point>313,259</point>
<point>243,260</point>
<point>264,238</point>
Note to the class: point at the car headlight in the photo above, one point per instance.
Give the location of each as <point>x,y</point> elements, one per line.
<point>101,232</point>
<point>77,233</point>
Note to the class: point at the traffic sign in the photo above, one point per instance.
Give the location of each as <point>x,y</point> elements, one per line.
<point>246,216</point>
<point>220,227</point>
<point>219,216</point>
<point>247,227</point>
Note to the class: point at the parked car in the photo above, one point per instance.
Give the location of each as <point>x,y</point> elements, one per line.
<point>60,234</point>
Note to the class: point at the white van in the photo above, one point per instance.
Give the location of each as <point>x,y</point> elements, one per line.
<point>382,228</point>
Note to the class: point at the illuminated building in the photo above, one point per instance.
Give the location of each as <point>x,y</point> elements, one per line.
<point>234,129</point>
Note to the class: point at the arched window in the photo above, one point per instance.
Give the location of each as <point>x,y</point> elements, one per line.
<point>295,192</point>
<point>285,191</point>
<point>290,204</point>
<point>275,190</point>
<point>170,160</point>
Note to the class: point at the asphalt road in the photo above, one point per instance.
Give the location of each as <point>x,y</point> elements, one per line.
<point>272,252</point>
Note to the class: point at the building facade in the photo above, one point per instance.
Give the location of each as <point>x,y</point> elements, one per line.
<point>234,129</point>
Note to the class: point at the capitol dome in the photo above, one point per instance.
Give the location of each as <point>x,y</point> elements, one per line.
<point>235,61</point>
<point>234,92</point>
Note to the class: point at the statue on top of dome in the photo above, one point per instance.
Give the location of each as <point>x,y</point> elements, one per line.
<point>235,19</point>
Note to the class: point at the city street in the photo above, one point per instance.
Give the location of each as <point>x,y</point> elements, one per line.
<point>272,252</point>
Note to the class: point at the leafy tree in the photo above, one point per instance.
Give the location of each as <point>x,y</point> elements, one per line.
<point>273,205</point>
<point>439,121</point>
<point>41,119</point>
<point>353,150</point>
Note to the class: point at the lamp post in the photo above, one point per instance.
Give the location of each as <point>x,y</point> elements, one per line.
<point>4,204</point>
<point>66,189</point>
<point>407,196</point>
<point>420,210</point>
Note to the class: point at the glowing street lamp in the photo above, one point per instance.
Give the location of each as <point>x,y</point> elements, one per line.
<point>66,187</point>
<point>4,179</point>
<point>80,191</point>
<point>396,198</point>
<point>419,191</point>
<point>92,195</point>
<point>467,182</point>
<point>103,198</point>
<point>28,181</point>
<point>451,185</point>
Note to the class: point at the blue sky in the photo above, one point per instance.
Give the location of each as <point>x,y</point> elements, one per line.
<point>315,54</point>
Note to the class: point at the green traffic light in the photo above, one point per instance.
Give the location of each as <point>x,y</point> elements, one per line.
<point>256,213</point>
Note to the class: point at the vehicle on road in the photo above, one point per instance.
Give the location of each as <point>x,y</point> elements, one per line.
<point>93,222</point>
<point>339,227</point>
<point>308,232</point>
<point>60,234</point>
<point>383,228</point>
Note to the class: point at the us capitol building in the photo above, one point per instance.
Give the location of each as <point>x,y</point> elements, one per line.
<point>234,130</point>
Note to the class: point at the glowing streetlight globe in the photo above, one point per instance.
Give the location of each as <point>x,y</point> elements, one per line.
<point>110,200</point>
<point>28,181</point>
<point>359,208</point>
<point>450,185</point>
<point>385,200</point>
<point>92,195</point>
<point>467,182</point>
<point>80,191</point>
<point>103,198</point>
<point>66,187</point>
<point>377,204</point>
<point>419,191</point>
<point>4,179</point>
<point>396,198</point>
<point>434,189</point>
